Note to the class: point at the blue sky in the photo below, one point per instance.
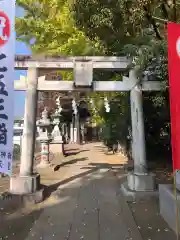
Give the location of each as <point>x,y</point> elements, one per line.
<point>19,97</point>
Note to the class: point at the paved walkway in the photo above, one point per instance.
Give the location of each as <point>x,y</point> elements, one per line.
<point>85,204</point>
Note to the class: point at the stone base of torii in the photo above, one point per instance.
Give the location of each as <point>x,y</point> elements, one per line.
<point>27,182</point>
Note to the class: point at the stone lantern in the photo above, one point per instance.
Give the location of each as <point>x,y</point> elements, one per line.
<point>57,142</point>
<point>44,129</point>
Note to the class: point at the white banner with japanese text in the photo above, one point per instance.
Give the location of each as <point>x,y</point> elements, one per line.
<point>7,51</point>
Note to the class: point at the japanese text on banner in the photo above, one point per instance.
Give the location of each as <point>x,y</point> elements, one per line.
<point>7,46</point>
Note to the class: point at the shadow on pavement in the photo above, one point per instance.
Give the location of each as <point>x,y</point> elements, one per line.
<point>73,161</point>
<point>68,153</point>
<point>52,188</point>
<point>112,166</point>
<point>17,226</point>
<point>89,204</point>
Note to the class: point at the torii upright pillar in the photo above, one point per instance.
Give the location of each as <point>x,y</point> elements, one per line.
<point>140,180</point>
<point>27,182</point>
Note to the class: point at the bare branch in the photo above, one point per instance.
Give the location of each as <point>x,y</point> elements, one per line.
<point>164,9</point>
<point>152,21</point>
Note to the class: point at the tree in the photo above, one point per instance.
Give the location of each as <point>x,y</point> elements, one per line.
<point>51,28</point>
<point>136,29</point>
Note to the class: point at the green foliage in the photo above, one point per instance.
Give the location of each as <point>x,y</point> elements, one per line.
<point>118,119</point>
<point>50,24</point>
<point>116,123</point>
<point>136,29</point>
<point>49,28</point>
<point>157,125</point>
<point>151,59</point>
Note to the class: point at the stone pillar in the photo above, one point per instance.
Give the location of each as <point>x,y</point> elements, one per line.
<point>71,133</point>
<point>139,180</point>
<point>77,124</point>
<point>133,125</point>
<point>82,130</point>
<point>28,139</point>
<point>27,182</point>
<point>75,135</point>
<point>138,140</point>
<point>75,128</point>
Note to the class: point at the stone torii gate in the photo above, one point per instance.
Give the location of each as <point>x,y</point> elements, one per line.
<point>28,182</point>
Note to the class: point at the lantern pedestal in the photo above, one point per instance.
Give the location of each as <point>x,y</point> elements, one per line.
<point>44,126</point>
<point>57,145</point>
<point>44,154</point>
